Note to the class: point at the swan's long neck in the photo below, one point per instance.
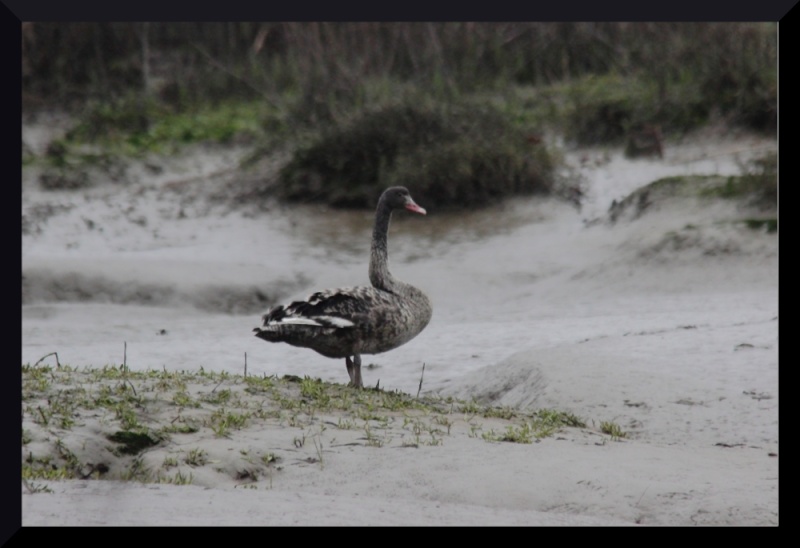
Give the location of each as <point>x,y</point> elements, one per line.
<point>379,274</point>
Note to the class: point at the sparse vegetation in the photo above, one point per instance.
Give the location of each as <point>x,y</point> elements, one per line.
<point>758,182</point>
<point>543,423</point>
<point>756,189</point>
<point>143,432</point>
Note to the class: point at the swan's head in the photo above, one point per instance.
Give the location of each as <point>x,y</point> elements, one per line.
<point>398,197</point>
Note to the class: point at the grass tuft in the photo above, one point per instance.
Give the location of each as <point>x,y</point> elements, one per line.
<point>613,430</point>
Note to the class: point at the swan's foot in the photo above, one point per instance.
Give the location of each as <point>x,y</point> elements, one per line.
<point>354,370</point>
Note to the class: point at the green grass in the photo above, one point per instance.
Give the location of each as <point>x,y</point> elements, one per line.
<point>134,126</point>
<point>543,423</point>
<point>107,134</point>
<point>196,457</point>
<point>758,182</point>
<point>179,478</point>
<point>222,422</point>
<point>613,430</point>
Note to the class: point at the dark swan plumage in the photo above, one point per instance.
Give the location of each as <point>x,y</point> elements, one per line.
<point>351,321</point>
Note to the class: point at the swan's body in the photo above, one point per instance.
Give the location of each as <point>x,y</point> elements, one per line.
<point>348,322</point>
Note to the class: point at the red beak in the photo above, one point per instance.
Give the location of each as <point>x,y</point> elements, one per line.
<point>412,206</point>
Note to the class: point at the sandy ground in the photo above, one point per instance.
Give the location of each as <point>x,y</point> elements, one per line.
<point>666,326</point>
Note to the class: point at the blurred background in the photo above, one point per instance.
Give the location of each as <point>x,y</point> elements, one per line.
<point>334,112</point>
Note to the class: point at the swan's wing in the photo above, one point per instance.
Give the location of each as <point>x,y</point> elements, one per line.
<point>338,308</point>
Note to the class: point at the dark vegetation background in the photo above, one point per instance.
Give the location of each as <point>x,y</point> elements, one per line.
<point>466,112</point>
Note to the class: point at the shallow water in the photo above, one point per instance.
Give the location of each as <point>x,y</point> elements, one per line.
<point>144,269</point>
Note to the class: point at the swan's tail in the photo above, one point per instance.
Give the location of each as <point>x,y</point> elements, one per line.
<point>297,323</point>
<point>270,335</point>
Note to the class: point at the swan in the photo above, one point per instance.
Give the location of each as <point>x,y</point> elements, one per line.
<point>351,321</point>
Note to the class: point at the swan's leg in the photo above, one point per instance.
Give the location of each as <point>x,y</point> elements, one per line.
<point>349,364</point>
<point>357,371</point>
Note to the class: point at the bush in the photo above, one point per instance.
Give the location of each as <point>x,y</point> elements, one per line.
<point>467,173</point>
<point>449,155</point>
<point>606,109</point>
